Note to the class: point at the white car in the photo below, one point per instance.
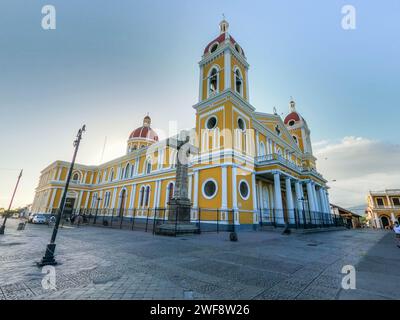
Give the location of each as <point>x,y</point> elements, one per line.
<point>39,219</point>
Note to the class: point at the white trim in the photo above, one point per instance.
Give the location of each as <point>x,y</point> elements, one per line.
<point>216,188</point>
<point>196,189</point>
<point>224,199</point>
<point>227,68</point>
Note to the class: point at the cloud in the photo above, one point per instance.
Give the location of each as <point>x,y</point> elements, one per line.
<point>358,165</point>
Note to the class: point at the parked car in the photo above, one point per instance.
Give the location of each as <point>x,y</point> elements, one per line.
<point>39,219</point>
<point>30,218</point>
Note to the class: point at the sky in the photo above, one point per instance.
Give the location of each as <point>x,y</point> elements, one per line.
<point>109,63</point>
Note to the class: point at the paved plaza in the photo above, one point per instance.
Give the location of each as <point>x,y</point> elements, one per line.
<point>103,263</point>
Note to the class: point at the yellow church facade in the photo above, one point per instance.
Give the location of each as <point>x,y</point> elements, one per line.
<point>255,165</point>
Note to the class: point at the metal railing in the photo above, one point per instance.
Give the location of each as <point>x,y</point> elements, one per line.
<point>299,219</point>
<point>275,157</point>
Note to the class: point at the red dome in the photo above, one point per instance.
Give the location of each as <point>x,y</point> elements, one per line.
<point>144,132</point>
<point>220,39</point>
<point>292,116</point>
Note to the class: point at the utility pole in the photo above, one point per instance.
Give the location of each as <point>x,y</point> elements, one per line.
<point>48,258</point>
<point>3,226</point>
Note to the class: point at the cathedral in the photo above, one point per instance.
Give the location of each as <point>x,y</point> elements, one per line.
<point>256,165</point>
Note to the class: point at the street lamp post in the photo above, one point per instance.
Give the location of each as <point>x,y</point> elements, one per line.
<point>48,258</point>
<point>3,226</point>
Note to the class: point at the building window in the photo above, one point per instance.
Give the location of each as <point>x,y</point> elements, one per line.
<point>238,48</point>
<point>211,122</point>
<point>396,202</point>
<point>291,123</point>
<point>141,196</point>
<point>107,198</point>
<point>262,149</point>
<point>147,166</point>
<point>147,198</point>
<point>214,47</point>
<point>75,177</point>
<point>238,82</point>
<point>379,202</point>
<point>111,175</point>
<point>210,188</point>
<point>213,82</point>
<point>244,189</point>
<point>295,139</point>
<point>241,124</point>
<point>127,171</point>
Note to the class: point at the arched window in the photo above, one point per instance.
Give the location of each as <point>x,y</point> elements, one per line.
<point>147,201</point>
<point>142,189</point>
<point>111,175</point>
<point>238,82</point>
<point>262,149</point>
<point>75,177</point>
<point>127,171</point>
<point>213,81</point>
<point>147,166</point>
<point>170,191</point>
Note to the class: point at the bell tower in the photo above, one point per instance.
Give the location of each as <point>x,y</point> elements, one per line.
<point>223,67</point>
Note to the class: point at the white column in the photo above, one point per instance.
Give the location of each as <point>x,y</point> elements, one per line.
<point>289,201</point>
<point>79,200</point>
<point>52,200</point>
<point>258,143</point>
<point>201,83</point>
<point>133,193</point>
<point>190,187</point>
<point>322,200</point>
<point>314,195</point>
<point>87,200</point>
<point>227,68</point>
<point>196,189</point>
<point>393,217</point>
<point>156,191</point>
<point>260,195</point>
<point>234,196</point>
<point>114,198</point>
<point>298,190</point>
<point>310,196</point>
<point>254,194</point>
<point>247,85</point>
<point>377,221</point>
<point>278,199</point>
<point>224,200</point>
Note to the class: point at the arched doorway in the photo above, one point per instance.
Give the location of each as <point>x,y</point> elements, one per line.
<point>385,222</point>
<point>122,203</point>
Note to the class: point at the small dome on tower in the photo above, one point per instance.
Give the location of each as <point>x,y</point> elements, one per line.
<point>144,132</point>
<point>224,35</point>
<point>293,116</point>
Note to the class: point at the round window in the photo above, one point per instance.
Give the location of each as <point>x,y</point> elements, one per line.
<point>213,47</point>
<point>244,189</point>
<point>238,49</point>
<point>211,123</point>
<point>241,124</point>
<point>291,123</point>
<point>209,189</point>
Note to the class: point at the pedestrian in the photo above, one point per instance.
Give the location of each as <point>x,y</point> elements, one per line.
<point>396,229</point>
